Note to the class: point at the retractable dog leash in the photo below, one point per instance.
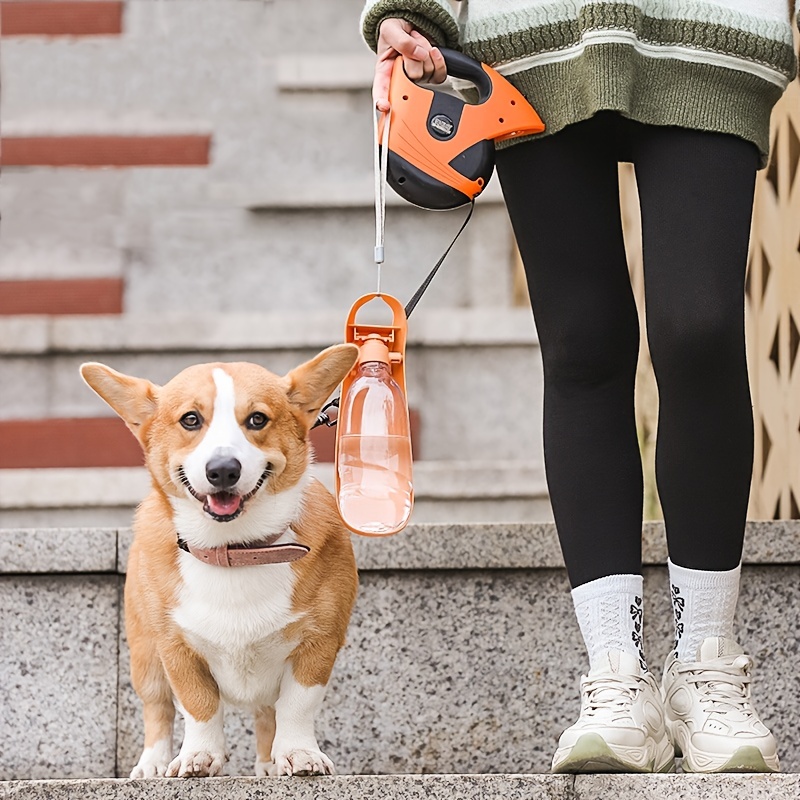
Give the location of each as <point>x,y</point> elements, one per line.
<point>441,148</point>
<point>373,469</point>
<point>437,152</point>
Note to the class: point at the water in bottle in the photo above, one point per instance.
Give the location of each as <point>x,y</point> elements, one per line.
<point>374,450</point>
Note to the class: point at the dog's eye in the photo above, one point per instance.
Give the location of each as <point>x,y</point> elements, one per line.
<point>191,421</point>
<point>256,421</point>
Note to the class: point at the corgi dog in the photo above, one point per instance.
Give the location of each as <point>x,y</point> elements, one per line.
<point>241,576</point>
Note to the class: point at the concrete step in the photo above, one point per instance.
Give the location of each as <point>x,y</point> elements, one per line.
<point>419,787</point>
<point>463,654</point>
<point>250,244</point>
<point>473,374</point>
<point>507,491</point>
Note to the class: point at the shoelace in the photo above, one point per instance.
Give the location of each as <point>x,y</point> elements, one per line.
<point>610,696</point>
<point>724,687</point>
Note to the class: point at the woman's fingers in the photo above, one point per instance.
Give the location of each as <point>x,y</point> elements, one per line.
<point>394,38</point>
<point>380,84</point>
<point>430,69</point>
<point>439,74</point>
<point>399,36</point>
<point>422,61</point>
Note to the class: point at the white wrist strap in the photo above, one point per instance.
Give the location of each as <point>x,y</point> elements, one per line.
<point>381,162</point>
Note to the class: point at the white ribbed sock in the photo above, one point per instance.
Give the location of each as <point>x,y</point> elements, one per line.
<point>704,604</point>
<point>609,612</point>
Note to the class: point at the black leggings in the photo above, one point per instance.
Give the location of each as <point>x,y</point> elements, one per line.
<point>696,195</point>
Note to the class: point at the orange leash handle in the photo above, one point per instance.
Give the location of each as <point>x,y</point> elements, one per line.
<point>505,114</point>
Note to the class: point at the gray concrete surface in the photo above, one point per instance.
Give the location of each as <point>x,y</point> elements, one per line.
<point>463,654</point>
<point>415,787</point>
<point>59,638</point>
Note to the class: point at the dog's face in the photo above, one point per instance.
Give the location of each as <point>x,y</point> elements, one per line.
<point>218,438</point>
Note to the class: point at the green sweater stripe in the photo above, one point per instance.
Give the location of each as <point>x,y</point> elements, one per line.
<point>617,16</point>
<point>653,91</point>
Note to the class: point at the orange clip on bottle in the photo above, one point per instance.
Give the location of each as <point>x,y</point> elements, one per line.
<point>373,443</point>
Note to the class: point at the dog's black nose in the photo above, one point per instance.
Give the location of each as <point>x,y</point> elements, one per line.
<point>223,473</point>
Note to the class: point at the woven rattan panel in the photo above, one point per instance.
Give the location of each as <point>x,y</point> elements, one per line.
<point>773,307</point>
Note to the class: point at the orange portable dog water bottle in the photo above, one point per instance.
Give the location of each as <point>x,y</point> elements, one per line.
<point>374,486</point>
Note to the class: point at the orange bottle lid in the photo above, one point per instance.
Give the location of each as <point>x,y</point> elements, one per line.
<point>373,349</point>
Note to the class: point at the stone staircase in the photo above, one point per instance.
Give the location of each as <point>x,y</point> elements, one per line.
<point>474,377</point>
<point>463,658</point>
<point>255,250</point>
<point>278,212</point>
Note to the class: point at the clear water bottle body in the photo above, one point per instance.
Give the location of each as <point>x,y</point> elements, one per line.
<point>374,456</point>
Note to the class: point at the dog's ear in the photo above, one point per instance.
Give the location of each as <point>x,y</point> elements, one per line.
<point>134,399</point>
<point>312,383</point>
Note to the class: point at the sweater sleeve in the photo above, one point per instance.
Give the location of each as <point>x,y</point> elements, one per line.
<point>432,18</point>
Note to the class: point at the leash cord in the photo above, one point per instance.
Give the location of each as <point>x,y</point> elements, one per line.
<point>412,303</point>
<point>381,162</point>
<point>324,417</point>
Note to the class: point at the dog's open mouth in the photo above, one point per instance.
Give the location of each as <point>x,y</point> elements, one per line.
<point>223,506</point>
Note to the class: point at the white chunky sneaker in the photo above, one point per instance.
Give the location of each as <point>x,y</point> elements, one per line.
<point>621,724</point>
<point>710,716</point>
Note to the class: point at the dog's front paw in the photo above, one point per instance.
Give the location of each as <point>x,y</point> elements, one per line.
<point>149,770</point>
<point>197,765</point>
<point>153,762</point>
<point>264,769</point>
<point>301,762</point>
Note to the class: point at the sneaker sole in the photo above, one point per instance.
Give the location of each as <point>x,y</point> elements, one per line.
<point>591,753</point>
<point>745,759</point>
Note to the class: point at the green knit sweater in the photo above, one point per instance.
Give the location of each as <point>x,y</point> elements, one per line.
<point>717,65</point>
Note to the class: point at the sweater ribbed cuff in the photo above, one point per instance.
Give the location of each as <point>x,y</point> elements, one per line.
<point>432,20</point>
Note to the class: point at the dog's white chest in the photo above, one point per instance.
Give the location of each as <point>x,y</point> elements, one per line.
<point>235,619</point>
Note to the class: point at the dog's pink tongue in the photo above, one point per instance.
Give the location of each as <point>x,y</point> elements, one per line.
<point>224,504</point>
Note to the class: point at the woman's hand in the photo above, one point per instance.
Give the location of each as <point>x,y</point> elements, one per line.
<point>422,61</point>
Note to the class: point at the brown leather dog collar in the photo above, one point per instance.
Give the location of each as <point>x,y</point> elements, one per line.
<point>246,555</point>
